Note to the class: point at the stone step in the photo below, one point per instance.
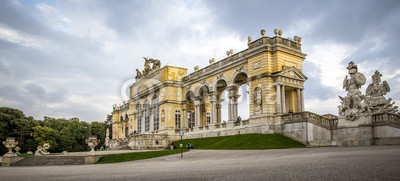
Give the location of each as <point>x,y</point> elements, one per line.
<point>50,160</point>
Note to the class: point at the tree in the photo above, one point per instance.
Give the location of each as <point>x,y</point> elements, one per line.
<point>44,134</point>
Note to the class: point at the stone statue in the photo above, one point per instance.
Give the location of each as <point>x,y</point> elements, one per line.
<point>10,143</point>
<point>258,100</point>
<point>156,63</point>
<point>355,103</point>
<point>352,104</point>
<point>107,140</point>
<point>45,147</point>
<point>138,74</point>
<point>147,67</point>
<point>39,151</point>
<point>376,91</point>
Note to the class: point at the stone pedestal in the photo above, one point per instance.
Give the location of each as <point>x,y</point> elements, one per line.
<point>359,132</point>
<point>8,160</point>
<point>91,159</point>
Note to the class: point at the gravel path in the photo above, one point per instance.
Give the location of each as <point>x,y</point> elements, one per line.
<point>335,163</point>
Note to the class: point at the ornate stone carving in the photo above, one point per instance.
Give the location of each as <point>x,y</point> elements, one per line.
<point>355,103</point>
<point>147,68</point>
<point>107,140</point>
<point>10,143</point>
<point>45,147</point>
<point>212,60</point>
<point>375,92</point>
<point>352,103</point>
<point>92,142</point>
<point>196,68</point>
<point>39,151</point>
<point>249,39</point>
<point>262,33</point>
<point>138,74</point>
<point>258,100</point>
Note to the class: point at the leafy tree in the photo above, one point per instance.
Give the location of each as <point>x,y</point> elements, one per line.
<point>44,134</point>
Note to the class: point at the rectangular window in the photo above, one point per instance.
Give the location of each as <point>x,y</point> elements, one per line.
<point>208,118</point>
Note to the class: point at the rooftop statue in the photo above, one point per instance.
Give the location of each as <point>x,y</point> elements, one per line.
<point>147,68</point>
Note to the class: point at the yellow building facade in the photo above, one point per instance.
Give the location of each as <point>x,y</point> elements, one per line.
<point>164,100</point>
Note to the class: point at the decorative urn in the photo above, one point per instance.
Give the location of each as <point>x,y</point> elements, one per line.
<point>92,142</point>
<point>10,143</point>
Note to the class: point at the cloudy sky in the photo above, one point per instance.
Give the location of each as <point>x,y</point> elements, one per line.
<point>72,58</point>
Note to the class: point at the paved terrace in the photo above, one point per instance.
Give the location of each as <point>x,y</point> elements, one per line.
<point>324,163</point>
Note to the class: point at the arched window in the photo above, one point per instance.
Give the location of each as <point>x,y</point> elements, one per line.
<point>146,117</point>
<point>138,119</point>
<point>156,120</point>
<point>177,119</point>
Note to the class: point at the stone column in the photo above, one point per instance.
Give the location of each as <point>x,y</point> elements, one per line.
<point>123,130</point>
<point>283,100</point>
<point>278,99</point>
<point>213,108</point>
<point>298,100</point>
<point>218,113</point>
<point>232,107</point>
<point>184,119</point>
<point>151,122</point>
<point>197,113</point>
<point>302,99</point>
<point>143,122</point>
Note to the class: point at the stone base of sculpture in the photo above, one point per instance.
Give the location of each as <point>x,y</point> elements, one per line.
<point>92,159</point>
<point>8,160</point>
<point>359,132</point>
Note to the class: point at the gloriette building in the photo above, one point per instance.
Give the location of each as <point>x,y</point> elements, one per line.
<point>165,100</point>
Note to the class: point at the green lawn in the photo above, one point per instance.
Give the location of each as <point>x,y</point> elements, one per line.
<point>124,157</point>
<point>246,141</point>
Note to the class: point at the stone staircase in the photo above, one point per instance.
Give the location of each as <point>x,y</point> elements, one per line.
<point>50,160</point>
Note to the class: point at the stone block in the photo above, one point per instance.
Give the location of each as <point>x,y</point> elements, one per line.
<point>91,159</point>
<point>9,160</point>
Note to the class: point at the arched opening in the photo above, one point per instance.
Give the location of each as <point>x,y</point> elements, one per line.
<point>241,98</point>
<point>204,99</point>
<point>146,117</point>
<point>190,109</point>
<point>126,127</point>
<point>156,120</point>
<point>221,102</point>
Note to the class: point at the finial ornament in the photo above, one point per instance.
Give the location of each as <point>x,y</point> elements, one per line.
<point>276,32</point>
<point>249,39</point>
<point>196,68</point>
<point>280,33</point>
<point>262,33</point>
<point>211,61</point>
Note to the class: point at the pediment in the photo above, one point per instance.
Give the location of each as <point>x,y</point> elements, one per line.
<point>292,72</point>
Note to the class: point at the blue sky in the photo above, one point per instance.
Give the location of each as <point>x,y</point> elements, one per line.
<point>71,58</point>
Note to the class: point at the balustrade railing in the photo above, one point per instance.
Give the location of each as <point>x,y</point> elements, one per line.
<point>312,117</point>
<point>386,118</point>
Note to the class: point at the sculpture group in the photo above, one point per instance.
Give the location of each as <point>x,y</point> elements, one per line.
<point>147,68</point>
<point>355,104</point>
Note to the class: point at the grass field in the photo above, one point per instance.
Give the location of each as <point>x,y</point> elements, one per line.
<point>246,141</point>
<point>124,157</point>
